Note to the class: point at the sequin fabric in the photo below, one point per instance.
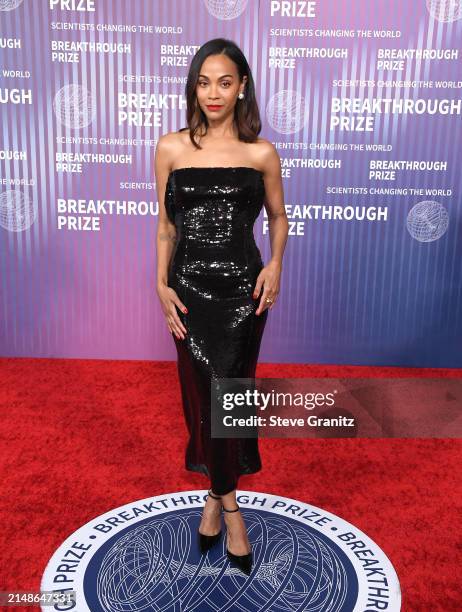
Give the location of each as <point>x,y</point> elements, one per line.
<point>213,269</point>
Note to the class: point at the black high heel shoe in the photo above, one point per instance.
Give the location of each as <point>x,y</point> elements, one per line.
<point>207,541</point>
<point>244,562</point>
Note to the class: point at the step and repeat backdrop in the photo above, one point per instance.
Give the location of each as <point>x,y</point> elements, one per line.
<point>362,100</point>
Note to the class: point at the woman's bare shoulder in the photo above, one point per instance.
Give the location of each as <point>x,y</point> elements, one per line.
<point>171,139</point>
<point>264,145</point>
<point>265,153</point>
<point>170,146</point>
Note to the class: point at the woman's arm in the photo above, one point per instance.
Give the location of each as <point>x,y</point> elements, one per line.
<point>278,224</point>
<point>166,240</point>
<point>274,195</point>
<point>166,231</point>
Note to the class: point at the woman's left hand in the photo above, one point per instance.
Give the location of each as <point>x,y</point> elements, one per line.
<point>269,279</point>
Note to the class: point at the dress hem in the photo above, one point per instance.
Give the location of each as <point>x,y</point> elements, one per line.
<point>200,468</point>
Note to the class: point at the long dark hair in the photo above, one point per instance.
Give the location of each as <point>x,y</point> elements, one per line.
<point>246,113</point>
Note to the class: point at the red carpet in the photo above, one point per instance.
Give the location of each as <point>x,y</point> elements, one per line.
<point>80,437</point>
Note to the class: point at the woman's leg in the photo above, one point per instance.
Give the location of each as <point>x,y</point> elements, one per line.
<point>210,523</point>
<point>237,538</point>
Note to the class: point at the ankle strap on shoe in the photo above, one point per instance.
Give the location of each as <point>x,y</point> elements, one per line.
<point>235,510</point>
<point>213,496</point>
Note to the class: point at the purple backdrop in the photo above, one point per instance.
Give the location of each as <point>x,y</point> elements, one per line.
<point>361,99</point>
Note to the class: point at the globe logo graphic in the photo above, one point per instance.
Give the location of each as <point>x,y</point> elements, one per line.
<point>445,10</point>
<point>427,221</point>
<point>17,212</point>
<point>74,106</point>
<point>286,112</point>
<point>225,9</point>
<point>144,556</point>
<point>9,5</point>
<point>295,566</point>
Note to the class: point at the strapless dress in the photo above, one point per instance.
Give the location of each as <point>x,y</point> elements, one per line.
<point>213,269</point>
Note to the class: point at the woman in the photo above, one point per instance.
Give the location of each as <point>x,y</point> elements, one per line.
<point>214,290</point>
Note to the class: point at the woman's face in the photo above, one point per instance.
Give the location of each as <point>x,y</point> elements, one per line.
<point>218,86</point>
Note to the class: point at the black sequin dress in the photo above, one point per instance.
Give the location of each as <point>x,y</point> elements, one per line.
<point>214,269</point>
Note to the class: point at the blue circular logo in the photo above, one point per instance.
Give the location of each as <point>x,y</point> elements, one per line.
<point>145,556</point>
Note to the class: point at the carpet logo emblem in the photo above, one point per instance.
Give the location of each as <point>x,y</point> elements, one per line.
<point>145,556</point>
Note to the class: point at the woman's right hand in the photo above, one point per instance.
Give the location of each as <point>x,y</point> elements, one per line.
<point>169,299</point>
